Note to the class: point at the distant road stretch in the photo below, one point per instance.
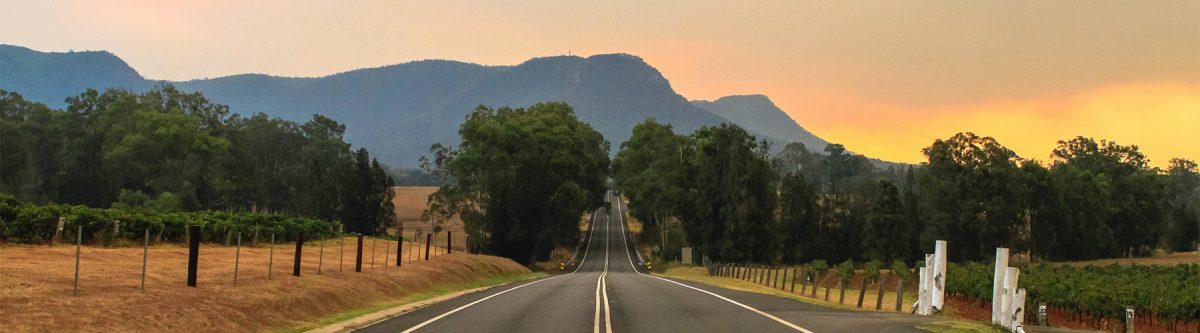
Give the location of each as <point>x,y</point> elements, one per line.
<point>609,292</point>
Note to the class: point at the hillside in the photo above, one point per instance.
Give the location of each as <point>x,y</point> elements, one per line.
<point>757,113</point>
<point>398,111</point>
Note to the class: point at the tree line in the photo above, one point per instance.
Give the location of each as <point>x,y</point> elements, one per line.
<point>164,150</point>
<point>734,202</point>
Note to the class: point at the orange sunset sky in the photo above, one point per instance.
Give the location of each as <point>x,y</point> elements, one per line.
<point>885,78</point>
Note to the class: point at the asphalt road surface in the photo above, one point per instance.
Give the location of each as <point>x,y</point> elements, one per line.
<point>609,292</point>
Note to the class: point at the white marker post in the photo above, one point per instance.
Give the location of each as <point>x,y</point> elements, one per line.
<point>938,278</point>
<point>1018,310</point>
<point>998,283</point>
<point>1010,287</point>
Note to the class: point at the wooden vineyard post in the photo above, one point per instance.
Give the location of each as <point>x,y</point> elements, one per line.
<point>299,253</point>
<point>145,257</point>
<point>78,247</point>
<point>237,256</point>
<point>193,254</point>
<point>358,258</point>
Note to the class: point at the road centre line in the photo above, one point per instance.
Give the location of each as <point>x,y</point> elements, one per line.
<point>585,253</point>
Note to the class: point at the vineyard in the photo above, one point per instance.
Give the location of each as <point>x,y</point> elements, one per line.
<point>1170,294</point>
<point>20,222</point>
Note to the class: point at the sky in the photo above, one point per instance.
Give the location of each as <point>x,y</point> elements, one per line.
<point>883,77</point>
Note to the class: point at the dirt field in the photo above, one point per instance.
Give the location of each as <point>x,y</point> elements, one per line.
<point>36,286</point>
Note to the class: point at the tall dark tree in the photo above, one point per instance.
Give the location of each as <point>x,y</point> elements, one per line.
<point>1183,197</point>
<point>730,211</point>
<point>798,217</point>
<point>886,232</point>
<point>522,178</point>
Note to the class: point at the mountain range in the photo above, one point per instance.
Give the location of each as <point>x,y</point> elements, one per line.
<point>398,111</point>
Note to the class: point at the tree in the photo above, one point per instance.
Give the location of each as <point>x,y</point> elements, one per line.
<point>885,235</point>
<point>967,195</point>
<point>1183,197</point>
<point>522,178</point>
<point>649,169</point>
<point>1130,194</point>
<point>798,216</point>
<point>167,150</point>
<point>729,213</point>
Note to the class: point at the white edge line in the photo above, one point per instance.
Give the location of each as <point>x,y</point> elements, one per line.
<point>430,321</point>
<point>585,252</point>
<point>747,307</point>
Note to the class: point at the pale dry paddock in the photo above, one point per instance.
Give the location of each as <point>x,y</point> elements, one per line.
<point>36,286</point>
<point>410,203</point>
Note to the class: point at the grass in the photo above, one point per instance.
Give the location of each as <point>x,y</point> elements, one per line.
<point>36,286</point>
<point>699,274</point>
<point>959,326</point>
<point>436,291</point>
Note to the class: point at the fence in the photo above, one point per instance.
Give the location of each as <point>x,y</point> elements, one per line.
<point>232,265</point>
<point>885,293</point>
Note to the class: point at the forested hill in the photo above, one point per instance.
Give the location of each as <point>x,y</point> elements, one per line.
<point>51,77</point>
<point>399,110</point>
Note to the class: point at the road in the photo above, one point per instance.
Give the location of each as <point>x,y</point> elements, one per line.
<point>608,292</point>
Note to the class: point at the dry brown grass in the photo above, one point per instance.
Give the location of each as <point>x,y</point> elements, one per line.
<point>410,203</point>
<point>35,287</point>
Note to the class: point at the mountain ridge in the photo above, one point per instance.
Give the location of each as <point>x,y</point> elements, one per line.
<point>397,111</point>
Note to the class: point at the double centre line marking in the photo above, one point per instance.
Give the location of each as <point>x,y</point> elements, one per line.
<point>602,286</point>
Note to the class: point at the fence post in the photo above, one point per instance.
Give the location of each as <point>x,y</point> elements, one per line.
<point>862,291</point>
<point>271,256</point>
<point>299,253</point>
<point>372,252</point>
<point>78,247</point>
<point>58,231</point>
<point>193,254</point>
<point>387,252</point>
<point>417,241</point>
<point>358,258</point>
<point>781,284</point>
<point>816,278</point>
<point>428,239</point>
<point>321,254</point>
<point>449,240</point>
<point>400,246</point>
<point>899,293</point>
<point>341,250</point>
<point>795,273</point>
<point>237,256</point>
<point>112,239</point>
<point>879,295</point>
<point>827,292</point>
<point>145,256</point>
